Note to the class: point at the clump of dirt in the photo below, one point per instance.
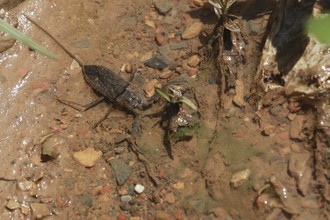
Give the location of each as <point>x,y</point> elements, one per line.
<point>256,148</point>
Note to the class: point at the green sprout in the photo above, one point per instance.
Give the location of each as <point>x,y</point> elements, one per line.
<point>7,28</point>
<point>171,98</point>
<point>320,28</point>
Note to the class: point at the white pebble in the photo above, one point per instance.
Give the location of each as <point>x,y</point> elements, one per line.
<point>139,188</point>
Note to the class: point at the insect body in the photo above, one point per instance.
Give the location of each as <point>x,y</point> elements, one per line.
<point>107,83</point>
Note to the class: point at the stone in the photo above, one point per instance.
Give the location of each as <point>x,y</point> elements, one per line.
<point>298,164</point>
<point>121,217</point>
<point>268,130</point>
<point>87,157</point>
<point>75,67</point>
<point>28,186</point>
<point>128,68</point>
<point>194,60</point>
<point>139,188</point>
<point>178,185</point>
<point>52,147</point>
<point>156,62</point>
<point>162,215</point>
<point>192,72</point>
<point>192,31</point>
<point>163,6</point>
<point>121,170</point>
<point>126,198</point>
<point>240,178</point>
<point>166,73</point>
<point>199,3</point>
<point>12,204</point>
<point>6,43</point>
<point>178,46</point>
<point>39,210</point>
<point>125,206</point>
<point>239,94</point>
<point>170,198</point>
<point>146,56</point>
<point>149,87</point>
<point>150,23</point>
<point>160,36</point>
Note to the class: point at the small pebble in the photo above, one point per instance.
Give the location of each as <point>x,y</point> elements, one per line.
<point>156,62</point>
<point>199,3</point>
<point>163,7</point>
<point>149,87</point>
<point>240,177</point>
<point>39,210</point>
<point>121,217</point>
<point>139,188</point>
<point>2,13</point>
<point>178,185</point>
<point>125,206</point>
<point>122,191</point>
<point>165,74</point>
<point>78,115</point>
<point>194,60</point>
<point>150,23</point>
<point>29,186</point>
<point>170,198</point>
<point>12,204</point>
<point>160,36</point>
<point>126,198</point>
<point>53,146</point>
<point>128,68</point>
<point>192,31</point>
<point>162,215</point>
<point>121,170</point>
<point>268,130</point>
<point>192,72</point>
<point>87,157</point>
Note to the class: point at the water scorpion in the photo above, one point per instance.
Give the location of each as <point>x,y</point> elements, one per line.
<point>103,80</point>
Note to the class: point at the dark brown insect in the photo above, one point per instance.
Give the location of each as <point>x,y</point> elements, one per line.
<point>107,83</point>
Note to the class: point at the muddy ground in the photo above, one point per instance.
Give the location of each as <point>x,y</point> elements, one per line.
<point>259,150</point>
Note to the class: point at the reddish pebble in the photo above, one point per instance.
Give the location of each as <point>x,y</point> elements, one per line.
<point>121,217</point>
<point>178,70</point>
<point>192,72</point>
<point>106,189</point>
<point>161,174</point>
<point>59,201</point>
<point>160,36</point>
<point>294,106</point>
<point>128,68</point>
<point>186,18</point>
<point>179,214</point>
<point>42,85</point>
<point>151,218</point>
<point>23,72</point>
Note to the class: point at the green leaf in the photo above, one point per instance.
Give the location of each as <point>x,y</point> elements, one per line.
<point>320,28</point>
<point>187,101</point>
<point>163,94</point>
<point>4,26</point>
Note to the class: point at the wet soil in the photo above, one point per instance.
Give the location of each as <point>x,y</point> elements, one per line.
<point>272,141</point>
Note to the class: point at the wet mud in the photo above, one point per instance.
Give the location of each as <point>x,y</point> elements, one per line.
<point>256,149</point>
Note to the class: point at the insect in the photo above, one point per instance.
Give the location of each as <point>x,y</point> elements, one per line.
<point>112,87</point>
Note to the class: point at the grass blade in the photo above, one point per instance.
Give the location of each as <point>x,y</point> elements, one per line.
<point>188,102</point>
<point>4,26</point>
<point>163,94</point>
